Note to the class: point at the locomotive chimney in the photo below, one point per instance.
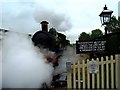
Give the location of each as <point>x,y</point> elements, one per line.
<point>44,25</point>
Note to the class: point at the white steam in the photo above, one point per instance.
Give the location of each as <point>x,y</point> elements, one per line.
<point>23,65</point>
<point>69,55</point>
<point>0,64</point>
<point>57,20</point>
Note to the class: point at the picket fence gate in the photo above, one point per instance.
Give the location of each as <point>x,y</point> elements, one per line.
<point>106,78</point>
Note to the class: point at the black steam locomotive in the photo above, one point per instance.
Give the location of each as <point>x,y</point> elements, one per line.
<point>44,39</point>
<point>50,40</point>
<point>47,40</point>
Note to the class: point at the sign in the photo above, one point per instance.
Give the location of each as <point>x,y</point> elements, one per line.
<point>90,46</point>
<point>93,67</point>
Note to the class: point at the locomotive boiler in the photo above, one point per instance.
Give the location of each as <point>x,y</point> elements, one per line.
<point>43,39</point>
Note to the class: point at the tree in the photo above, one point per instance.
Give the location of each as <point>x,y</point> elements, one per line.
<point>84,36</point>
<point>114,25</point>
<point>96,33</point>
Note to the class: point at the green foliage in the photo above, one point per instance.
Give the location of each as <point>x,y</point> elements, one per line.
<point>114,25</point>
<point>84,36</point>
<point>96,33</point>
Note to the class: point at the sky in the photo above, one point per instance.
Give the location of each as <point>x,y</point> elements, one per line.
<point>70,17</point>
<point>119,8</point>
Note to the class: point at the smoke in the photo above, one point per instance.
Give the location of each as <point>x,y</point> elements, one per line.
<point>0,65</point>
<point>57,20</point>
<point>1,59</point>
<point>23,66</point>
<point>69,55</point>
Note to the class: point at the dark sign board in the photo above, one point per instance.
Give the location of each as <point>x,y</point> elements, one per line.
<point>90,46</point>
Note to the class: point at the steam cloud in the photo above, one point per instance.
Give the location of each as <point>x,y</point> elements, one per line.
<point>0,61</point>
<point>57,20</point>
<point>69,55</point>
<point>23,65</point>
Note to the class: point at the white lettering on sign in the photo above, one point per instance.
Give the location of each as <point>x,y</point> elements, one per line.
<point>90,46</point>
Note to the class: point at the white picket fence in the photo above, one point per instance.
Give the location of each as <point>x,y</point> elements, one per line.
<point>106,77</point>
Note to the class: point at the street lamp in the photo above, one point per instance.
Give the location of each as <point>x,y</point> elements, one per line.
<point>105,17</point>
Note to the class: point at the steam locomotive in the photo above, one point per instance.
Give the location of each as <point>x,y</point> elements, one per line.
<point>44,39</point>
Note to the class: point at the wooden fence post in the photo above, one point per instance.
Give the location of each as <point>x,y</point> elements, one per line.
<point>68,67</point>
<point>118,70</point>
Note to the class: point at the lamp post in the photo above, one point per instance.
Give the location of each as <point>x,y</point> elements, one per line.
<point>105,17</point>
